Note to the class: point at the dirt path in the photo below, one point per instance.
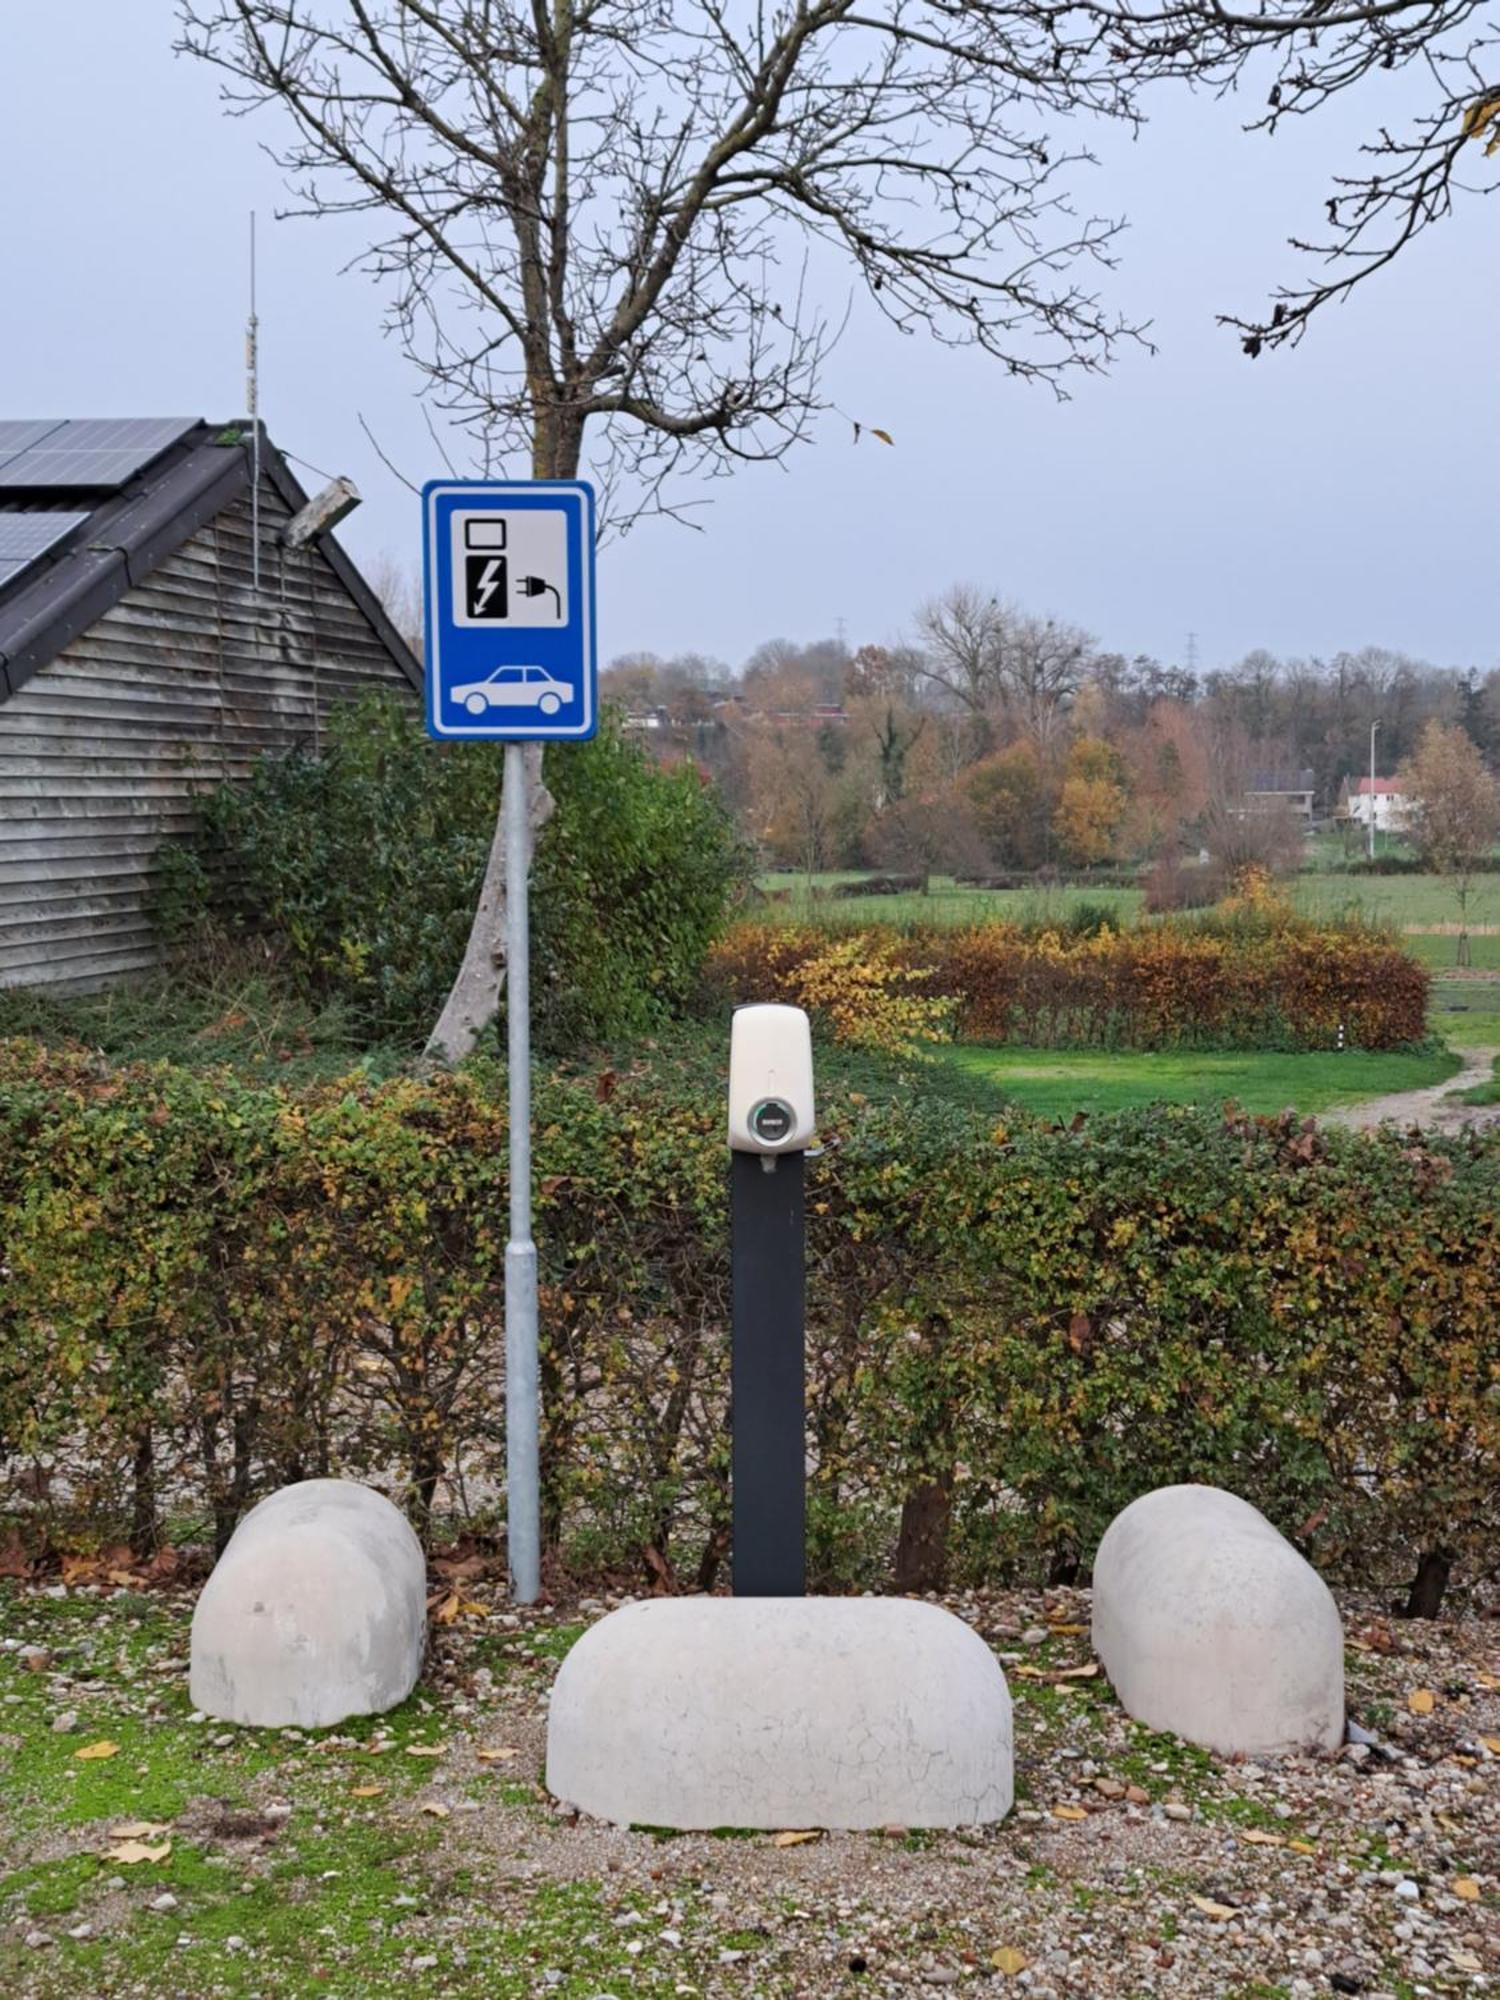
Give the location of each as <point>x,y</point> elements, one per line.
<point>1436,1106</point>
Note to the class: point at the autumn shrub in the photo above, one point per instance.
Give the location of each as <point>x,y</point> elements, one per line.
<point>1247,976</point>
<point>212,1287</point>
<point>361,858</point>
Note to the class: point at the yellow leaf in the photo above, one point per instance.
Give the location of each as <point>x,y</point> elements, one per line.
<point>1491,1743</point>
<point>448,1610</point>
<point>884,436</point>
<point>498,1755</point>
<point>1069,1812</point>
<point>425,1749</point>
<point>1218,1911</point>
<point>1080,1673</point>
<point>1421,1701</point>
<point>367,1791</point>
<point>1488,1680</point>
<point>90,1751</point>
<point>1067,1631</point>
<point>799,1838</point>
<point>1005,1958</point>
<point>1467,1888</point>
<point>129,1852</point>
<point>437,1811</point>
<point>1301,1847</point>
<point>1258,1837</point>
<point>472,1610</point>
<point>138,1829</point>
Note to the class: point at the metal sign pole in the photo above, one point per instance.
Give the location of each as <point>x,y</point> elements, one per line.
<point>522,1387</point>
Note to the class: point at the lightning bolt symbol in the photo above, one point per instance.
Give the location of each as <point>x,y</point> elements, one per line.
<point>489,583</point>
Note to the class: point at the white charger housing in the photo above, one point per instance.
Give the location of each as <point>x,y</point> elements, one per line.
<point>770,1080</point>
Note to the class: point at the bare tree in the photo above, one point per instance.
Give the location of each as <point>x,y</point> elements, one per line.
<point>607,215</point>
<point>1311,52</point>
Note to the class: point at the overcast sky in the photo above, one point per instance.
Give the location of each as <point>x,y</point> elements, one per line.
<point>1340,495</point>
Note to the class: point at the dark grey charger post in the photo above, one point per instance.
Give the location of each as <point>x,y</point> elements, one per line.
<point>770,1107</point>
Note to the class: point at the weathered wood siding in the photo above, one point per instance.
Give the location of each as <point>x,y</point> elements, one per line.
<point>178,687</point>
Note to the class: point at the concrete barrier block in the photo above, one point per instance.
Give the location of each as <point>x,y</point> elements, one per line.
<point>782,1712</point>
<point>316,1611</point>
<point>1211,1625</point>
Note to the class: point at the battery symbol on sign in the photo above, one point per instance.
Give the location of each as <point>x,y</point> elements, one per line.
<point>485,580</point>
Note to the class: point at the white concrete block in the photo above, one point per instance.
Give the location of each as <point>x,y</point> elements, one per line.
<point>316,1611</point>
<point>782,1712</point>
<point>1211,1625</point>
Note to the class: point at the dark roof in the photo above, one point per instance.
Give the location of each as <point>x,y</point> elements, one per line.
<point>125,523</point>
<point>1282,781</point>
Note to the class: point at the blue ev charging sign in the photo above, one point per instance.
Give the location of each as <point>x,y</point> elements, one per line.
<point>509,589</point>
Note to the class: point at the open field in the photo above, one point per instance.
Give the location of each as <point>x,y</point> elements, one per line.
<point>420,1852</point>
<point>1403,901</point>
<point>1055,1083</point>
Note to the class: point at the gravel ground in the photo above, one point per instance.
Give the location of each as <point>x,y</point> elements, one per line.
<point>1133,1865</point>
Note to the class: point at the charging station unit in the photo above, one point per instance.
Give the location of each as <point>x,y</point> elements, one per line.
<point>772,1709</point>
<point>772,1121</point>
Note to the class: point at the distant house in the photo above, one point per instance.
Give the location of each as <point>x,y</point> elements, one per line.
<point>1378,799</point>
<point>1292,789</point>
<point>140,665</point>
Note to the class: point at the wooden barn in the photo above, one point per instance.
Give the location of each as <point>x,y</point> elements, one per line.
<point>140,663</point>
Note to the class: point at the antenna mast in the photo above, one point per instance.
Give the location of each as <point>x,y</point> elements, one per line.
<point>252,398</point>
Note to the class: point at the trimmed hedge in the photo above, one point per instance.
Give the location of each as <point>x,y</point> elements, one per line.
<point>1160,986</point>
<point>212,1287</point>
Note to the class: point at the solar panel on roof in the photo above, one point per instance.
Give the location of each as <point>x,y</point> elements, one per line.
<point>93,452</point>
<point>23,536</point>
<point>18,434</point>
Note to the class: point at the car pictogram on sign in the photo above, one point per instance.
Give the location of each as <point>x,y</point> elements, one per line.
<point>514,687</point>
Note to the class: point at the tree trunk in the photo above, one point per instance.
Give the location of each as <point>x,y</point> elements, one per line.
<point>1431,1580</point>
<point>474,1000</point>
<point>922,1547</point>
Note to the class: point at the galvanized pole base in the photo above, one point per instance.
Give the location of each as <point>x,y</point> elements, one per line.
<point>522,1392</point>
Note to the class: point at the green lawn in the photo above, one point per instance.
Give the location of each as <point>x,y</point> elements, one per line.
<point>1378,899</point>
<point>1057,1082</point>
<point>945,903</point>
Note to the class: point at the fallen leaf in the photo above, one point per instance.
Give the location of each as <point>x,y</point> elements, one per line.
<point>884,436</point>
<point>1069,1812</point>
<point>1421,1701</point>
<point>367,1791</point>
<point>1467,1888</point>
<point>797,1839</point>
<point>1079,1673</point>
<point>1301,1847</point>
<point>92,1751</point>
<point>129,1852</point>
<point>1067,1631</point>
<point>437,1811</point>
<point>1488,1680</point>
<point>138,1829</point>
<point>1005,1958</point>
<point>497,1755</point>
<point>1258,1837</point>
<point>447,1609</point>
<point>1491,1743</point>
<point>426,1749</point>
<point>1218,1911</point>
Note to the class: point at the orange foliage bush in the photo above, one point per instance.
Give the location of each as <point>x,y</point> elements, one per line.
<point>1256,981</point>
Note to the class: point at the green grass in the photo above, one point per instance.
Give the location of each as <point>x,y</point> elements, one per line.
<point>234,1013</point>
<point>947,903</point>
<point>1055,1083</point>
